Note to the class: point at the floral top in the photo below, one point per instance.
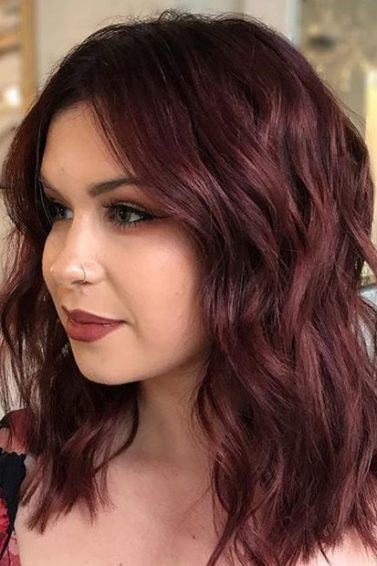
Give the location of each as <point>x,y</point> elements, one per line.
<point>12,473</point>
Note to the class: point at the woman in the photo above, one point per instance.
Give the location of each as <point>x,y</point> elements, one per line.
<point>190,180</point>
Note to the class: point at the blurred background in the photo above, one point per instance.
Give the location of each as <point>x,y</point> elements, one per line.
<point>337,36</point>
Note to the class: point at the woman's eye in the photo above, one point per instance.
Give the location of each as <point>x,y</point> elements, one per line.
<point>52,208</point>
<point>120,214</point>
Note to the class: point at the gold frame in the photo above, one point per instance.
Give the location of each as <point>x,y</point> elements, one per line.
<point>28,59</point>
<point>22,37</point>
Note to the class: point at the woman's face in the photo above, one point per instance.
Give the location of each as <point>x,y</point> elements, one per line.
<point>145,275</point>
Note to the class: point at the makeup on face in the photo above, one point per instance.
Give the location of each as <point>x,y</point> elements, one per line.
<point>89,332</point>
<point>87,327</point>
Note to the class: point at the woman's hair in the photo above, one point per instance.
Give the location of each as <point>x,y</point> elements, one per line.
<point>243,144</point>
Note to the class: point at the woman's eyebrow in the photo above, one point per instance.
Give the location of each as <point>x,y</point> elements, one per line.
<point>95,189</point>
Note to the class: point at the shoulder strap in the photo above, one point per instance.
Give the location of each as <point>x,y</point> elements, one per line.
<point>13,428</point>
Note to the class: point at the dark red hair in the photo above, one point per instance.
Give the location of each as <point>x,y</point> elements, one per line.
<point>239,139</point>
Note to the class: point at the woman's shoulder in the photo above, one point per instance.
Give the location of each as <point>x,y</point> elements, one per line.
<point>12,472</point>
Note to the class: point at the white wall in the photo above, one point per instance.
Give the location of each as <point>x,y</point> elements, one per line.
<point>60,25</point>
<point>279,14</point>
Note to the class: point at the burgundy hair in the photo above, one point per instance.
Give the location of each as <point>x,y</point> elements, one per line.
<point>239,139</point>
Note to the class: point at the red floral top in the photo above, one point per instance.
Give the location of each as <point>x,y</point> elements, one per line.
<point>12,472</point>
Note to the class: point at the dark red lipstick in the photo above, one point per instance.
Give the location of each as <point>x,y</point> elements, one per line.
<point>87,327</point>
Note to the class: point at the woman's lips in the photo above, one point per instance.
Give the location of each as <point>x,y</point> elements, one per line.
<point>78,315</point>
<point>88,332</point>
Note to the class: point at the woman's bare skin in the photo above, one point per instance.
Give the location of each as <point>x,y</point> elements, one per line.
<point>161,517</point>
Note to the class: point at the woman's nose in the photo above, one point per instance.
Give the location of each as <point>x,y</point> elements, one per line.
<point>77,272</point>
<point>68,275</point>
<point>77,260</point>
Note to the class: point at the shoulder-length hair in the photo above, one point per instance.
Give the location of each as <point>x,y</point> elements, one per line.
<point>239,139</point>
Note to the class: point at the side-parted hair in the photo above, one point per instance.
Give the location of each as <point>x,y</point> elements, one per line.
<point>240,141</point>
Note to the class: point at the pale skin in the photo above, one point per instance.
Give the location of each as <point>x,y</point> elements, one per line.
<point>147,277</point>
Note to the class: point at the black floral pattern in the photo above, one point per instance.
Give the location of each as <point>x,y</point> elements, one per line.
<point>12,473</point>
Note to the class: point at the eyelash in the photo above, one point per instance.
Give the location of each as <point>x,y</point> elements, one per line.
<point>111,208</point>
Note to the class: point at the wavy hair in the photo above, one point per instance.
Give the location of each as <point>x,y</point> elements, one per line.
<point>242,142</point>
